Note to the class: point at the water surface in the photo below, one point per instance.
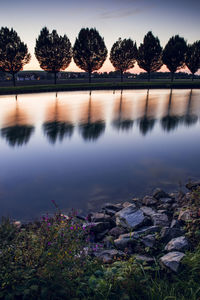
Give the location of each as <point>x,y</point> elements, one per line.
<point>83,150</point>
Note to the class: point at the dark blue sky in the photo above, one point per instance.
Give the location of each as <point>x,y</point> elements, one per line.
<point>113,19</point>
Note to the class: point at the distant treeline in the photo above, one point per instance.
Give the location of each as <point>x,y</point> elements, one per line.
<point>54,53</point>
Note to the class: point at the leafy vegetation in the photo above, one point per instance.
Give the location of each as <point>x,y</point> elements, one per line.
<point>52,259</point>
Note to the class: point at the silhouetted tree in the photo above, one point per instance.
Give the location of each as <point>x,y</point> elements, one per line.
<point>53,52</point>
<point>149,55</point>
<point>174,54</point>
<point>123,55</point>
<point>193,58</point>
<point>89,50</point>
<point>57,130</point>
<point>189,118</point>
<point>13,52</point>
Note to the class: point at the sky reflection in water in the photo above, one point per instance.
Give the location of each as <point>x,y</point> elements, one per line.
<point>84,150</point>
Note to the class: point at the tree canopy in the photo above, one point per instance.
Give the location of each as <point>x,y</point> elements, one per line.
<point>174,54</point>
<point>53,52</point>
<point>89,50</point>
<point>13,52</point>
<point>193,57</point>
<point>123,55</point>
<point>149,55</point>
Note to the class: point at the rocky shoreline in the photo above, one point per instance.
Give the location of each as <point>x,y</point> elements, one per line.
<point>152,228</point>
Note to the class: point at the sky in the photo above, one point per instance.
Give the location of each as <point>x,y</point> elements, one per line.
<point>112,18</point>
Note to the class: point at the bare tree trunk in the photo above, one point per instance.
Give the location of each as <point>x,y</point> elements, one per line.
<point>121,75</point>
<point>89,73</point>
<point>149,76</point>
<point>172,76</point>
<point>55,78</point>
<point>13,77</point>
<point>192,76</point>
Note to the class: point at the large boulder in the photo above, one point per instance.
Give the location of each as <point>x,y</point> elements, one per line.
<point>125,240</point>
<point>130,217</point>
<point>160,220</point>
<point>167,233</point>
<point>172,260</point>
<point>148,211</point>
<point>179,244</point>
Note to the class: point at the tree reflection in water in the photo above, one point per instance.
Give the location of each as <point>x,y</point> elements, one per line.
<point>189,118</point>
<point>18,133</point>
<point>146,123</point>
<point>55,129</point>
<point>122,123</point>
<point>91,130</point>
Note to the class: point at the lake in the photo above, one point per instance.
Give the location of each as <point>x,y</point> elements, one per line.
<point>83,150</point>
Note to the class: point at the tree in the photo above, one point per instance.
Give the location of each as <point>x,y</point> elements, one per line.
<point>174,54</point>
<point>149,55</point>
<point>193,58</point>
<point>123,55</point>
<point>13,52</point>
<point>53,52</point>
<point>89,50</point>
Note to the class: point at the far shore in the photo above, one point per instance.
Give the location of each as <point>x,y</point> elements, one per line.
<point>26,89</point>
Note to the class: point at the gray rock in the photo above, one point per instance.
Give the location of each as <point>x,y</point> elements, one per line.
<point>160,220</point>
<point>167,200</point>
<point>148,211</point>
<point>97,227</point>
<point>147,230</point>
<point>172,260</point>
<point>175,224</point>
<point>167,233</point>
<point>130,217</point>
<point>184,215</point>
<point>158,193</point>
<point>192,185</point>
<point>137,202</point>
<point>100,217</point>
<point>125,240</point>
<point>149,240</point>
<point>148,201</point>
<point>144,258</point>
<point>114,207</point>
<point>117,231</point>
<point>107,256</point>
<point>126,204</point>
<point>179,244</point>
<point>101,235</point>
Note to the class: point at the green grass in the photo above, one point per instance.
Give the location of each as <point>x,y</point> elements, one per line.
<point>99,86</point>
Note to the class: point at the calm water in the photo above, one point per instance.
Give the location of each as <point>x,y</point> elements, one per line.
<point>83,151</point>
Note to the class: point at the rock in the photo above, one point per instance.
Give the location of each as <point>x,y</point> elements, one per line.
<point>147,230</point>
<point>164,206</point>
<point>149,240</point>
<point>148,211</point>
<point>100,217</point>
<point>184,215</point>
<point>97,227</point>
<point>167,200</point>
<point>148,201</point>
<point>144,258</point>
<point>175,224</point>
<point>130,217</point>
<point>111,209</point>
<point>158,193</point>
<point>107,256</point>
<point>117,231</point>
<point>192,185</point>
<point>101,235</point>
<point>125,240</point>
<point>137,202</point>
<point>126,204</point>
<point>18,224</point>
<point>160,220</point>
<point>179,244</point>
<point>172,260</point>
<point>167,233</point>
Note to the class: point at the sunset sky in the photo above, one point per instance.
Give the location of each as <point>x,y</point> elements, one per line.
<point>112,18</point>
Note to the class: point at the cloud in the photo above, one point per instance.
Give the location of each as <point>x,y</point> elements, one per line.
<point>120,13</point>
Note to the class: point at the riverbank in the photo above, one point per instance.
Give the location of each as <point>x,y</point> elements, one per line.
<point>148,248</point>
<point>179,84</point>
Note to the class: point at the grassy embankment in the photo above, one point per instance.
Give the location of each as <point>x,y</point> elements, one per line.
<point>47,260</point>
<point>179,84</point>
